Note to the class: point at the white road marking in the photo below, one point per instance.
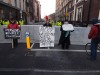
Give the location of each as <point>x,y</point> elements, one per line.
<point>52,71</point>
<point>67,71</point>
<point>60,50</point>
<point>32,45</point>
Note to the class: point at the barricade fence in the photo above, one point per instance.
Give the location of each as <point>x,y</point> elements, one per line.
<point>78,37</point>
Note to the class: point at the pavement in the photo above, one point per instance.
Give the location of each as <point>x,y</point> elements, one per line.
<point>21,61</point>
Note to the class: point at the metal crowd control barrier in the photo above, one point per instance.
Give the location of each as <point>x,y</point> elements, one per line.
<point>78,37</point>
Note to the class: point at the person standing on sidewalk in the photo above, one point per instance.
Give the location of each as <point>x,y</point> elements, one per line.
<point>47,24</point>
<point>5,22</point>
<point>65,35</point>
<point>94,35</point>
<point>13,25</point>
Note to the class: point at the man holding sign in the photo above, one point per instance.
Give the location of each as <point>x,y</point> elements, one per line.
<point>65,29</point>
<point>13,25</point>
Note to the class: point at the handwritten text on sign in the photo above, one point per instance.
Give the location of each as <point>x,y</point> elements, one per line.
<point>12,33</point>
<point>46,36</point>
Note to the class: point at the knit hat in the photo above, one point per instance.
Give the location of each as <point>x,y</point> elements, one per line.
<point>94,21</point>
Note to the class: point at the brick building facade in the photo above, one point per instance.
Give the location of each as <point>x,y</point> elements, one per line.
<point>78,10</point>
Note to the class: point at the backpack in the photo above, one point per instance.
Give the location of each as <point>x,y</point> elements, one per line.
<point>98,36</point>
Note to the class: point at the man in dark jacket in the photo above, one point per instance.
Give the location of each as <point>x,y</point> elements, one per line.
<point>65,36</point>
<point>94,40</point>
<point>47,24</point>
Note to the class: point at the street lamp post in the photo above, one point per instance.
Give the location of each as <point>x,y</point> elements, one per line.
<point>20,13</point>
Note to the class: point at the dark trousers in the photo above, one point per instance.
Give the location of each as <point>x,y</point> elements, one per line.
<point>93,48</point>
<point>15,42</point>
<point>66,43</point>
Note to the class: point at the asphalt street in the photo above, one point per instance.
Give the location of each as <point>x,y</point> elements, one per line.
<point>21,61</point>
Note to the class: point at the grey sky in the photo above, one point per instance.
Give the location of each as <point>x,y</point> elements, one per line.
<point>47,7</point>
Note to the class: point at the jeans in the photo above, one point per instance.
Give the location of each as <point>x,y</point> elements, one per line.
<point>93,48</point>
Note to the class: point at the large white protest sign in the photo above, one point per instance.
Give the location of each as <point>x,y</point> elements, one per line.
<point>46,36</point>
<point>68,27</point>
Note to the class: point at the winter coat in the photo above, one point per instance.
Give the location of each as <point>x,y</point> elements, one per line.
<point>13,26</point>
<point>93,32</point>
<point>63,38</point>
<point>48,25</point>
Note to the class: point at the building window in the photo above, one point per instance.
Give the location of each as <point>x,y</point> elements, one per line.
<point>79,14</point>
<point>1,13</point>
<point>71,14</point>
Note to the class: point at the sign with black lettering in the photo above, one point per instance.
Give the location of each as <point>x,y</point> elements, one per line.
<point>46,35</point>
<point>12,33</point>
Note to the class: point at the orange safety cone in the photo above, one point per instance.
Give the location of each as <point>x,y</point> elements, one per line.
<point>28,40</point>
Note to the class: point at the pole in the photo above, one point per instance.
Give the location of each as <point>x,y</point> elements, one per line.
<point>28,40</point>
<point>20,13</point>
<point>12,43</point>
<point>74,17</point>
<point>89,12</point>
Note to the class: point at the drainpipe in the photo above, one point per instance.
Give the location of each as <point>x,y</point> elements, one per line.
<point>74,17</point>
<point>89,11</point>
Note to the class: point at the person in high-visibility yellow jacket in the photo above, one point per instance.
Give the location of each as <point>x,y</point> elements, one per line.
<point>0,22</point>
<point>21,22</point>
<point>59,23</point>
<point>53,23</point>
<point>16,22</point>
<point>5,22</point>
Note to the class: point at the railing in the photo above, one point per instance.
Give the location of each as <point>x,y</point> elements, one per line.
<point>79,36</point>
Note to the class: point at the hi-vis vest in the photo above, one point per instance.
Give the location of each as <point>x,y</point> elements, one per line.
<point>58,23</point>
<point>52,23</point>
<point>21,22</point>
<point>0,22</point>
<point>6,23</point>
